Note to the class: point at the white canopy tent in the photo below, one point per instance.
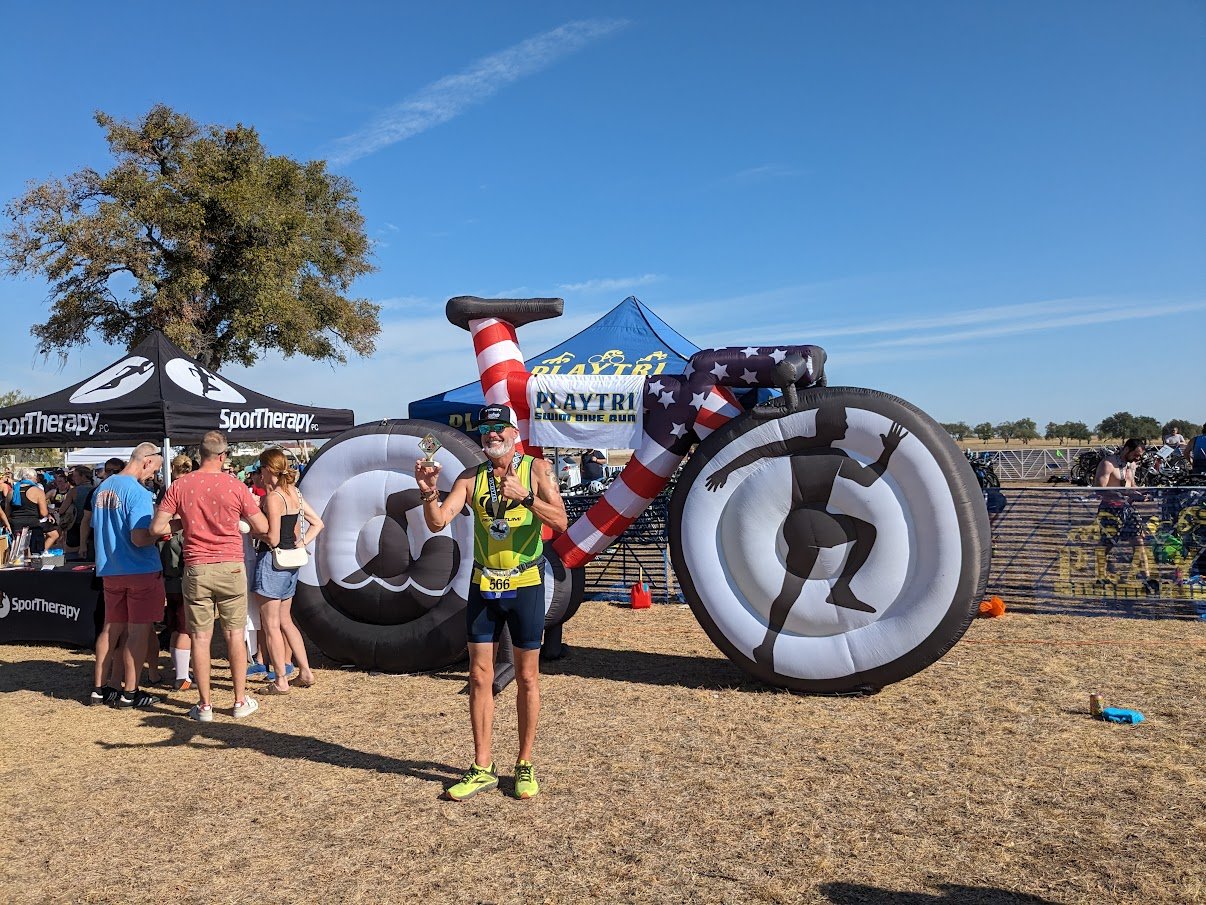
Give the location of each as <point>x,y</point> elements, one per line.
<point>97,455</point>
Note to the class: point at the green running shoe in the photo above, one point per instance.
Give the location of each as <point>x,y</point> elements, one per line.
<point>478,779</point>
<point>525,780</point>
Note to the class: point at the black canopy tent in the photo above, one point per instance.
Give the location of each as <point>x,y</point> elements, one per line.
<point>157,392</point>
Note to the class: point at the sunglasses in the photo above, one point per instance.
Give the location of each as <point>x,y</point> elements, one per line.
<point>491,428</point>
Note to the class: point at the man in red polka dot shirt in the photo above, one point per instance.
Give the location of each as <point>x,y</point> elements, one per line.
<point>209,503</point>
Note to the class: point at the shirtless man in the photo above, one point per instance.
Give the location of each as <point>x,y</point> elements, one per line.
<point>1118,470</point>
<point>1116,515</point>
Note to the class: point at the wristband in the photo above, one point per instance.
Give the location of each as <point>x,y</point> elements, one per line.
<point>427,498</point>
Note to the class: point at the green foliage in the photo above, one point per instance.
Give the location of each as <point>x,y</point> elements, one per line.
<point>200,233</point>
<point>1147,427</point>
<point>957,429</point>
<point>1124,425</point>
<point>1077,430</point>
<point>1005,430</point>
<point>1025,429</point>
<point>1118,426</point>
<point>1187,428</point>
<point>984,431</point>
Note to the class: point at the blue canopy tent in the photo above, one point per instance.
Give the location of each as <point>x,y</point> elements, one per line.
<point>628,339</point>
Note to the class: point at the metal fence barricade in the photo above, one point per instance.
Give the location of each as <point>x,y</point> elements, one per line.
<point>643,551</point>
<point>1100,551</point>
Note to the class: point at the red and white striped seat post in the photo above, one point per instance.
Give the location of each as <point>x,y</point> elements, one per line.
<point>504,377</point>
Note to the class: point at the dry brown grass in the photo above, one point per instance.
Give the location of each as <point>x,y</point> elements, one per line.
<point>667,777</point>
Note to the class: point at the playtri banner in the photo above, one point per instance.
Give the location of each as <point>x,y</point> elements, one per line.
<point>578,411</point>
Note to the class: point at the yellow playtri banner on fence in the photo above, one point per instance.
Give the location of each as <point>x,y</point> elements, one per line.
<point>1114,552</point>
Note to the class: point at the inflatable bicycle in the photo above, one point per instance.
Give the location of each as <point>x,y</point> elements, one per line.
<point>833,540</point>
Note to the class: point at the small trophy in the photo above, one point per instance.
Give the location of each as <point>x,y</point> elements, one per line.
<point>430,446</point>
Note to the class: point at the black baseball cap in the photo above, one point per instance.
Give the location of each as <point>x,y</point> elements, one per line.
<point>497,414</point>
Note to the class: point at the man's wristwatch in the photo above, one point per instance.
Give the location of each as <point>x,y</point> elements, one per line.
<point>529,499</point>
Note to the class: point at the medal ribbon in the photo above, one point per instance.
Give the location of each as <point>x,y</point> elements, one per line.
<point>495,512</point>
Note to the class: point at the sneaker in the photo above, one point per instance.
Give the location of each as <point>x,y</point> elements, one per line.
<point>256,669</point>
<point>135,698</point>
<point>107,695</point>
<point>249,706</point>
<point>202,714</point>
<point>182,684</point>
<point>478,779</point>
<point>525,780</point>
<point>270,674</point>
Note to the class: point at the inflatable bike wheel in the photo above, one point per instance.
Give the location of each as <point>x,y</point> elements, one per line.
<point>382,591</point>
<point>833,550</point>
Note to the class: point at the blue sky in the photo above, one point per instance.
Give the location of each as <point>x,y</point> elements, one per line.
<point>992,210</point>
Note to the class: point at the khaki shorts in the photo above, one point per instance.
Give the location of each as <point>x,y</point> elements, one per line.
<point>215,586</point>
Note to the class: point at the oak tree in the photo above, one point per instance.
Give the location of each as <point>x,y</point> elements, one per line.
<point>199,232</point>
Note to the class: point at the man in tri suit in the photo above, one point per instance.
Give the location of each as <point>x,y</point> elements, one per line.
<point>511,497</point>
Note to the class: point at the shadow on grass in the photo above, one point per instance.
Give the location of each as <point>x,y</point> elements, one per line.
<point>948,894</point>
<point>711,673</point>
<point>72,681</point>
<point>186,732</point>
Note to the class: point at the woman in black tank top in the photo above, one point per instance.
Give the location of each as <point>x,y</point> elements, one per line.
<point>32,513</point>
<point>283,505</point>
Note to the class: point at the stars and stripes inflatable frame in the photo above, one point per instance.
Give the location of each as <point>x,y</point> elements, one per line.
<point>831,541</point>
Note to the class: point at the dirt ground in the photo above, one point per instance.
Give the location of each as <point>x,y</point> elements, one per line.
<point>666,776</point>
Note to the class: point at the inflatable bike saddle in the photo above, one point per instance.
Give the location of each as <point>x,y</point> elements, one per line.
<point>516,312</point>
<point>796,370</point>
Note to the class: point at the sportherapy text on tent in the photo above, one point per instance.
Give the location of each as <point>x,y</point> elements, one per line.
<point>156,391</point>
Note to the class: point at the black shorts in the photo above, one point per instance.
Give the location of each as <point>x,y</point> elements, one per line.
<point>523,614</point>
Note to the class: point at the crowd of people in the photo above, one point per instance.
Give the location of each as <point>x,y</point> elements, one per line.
<point>171,558</point>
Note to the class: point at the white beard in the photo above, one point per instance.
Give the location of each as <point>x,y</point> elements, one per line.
<point>500,449</point>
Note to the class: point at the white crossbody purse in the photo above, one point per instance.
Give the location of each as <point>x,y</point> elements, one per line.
<point>297,557</point>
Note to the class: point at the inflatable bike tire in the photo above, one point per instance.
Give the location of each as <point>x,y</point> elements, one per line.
<point>381,591</point>
<point>818,560</point>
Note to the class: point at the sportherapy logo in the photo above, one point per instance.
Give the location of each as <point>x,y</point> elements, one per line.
<point>201,381</point>
<point>37,605</point>
<point>267,419</point>
<point>115,381</point>
<point>76,424</point>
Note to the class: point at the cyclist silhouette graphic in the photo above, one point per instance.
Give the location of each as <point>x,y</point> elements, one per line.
<point>127,371</point>
<point>809,526</point>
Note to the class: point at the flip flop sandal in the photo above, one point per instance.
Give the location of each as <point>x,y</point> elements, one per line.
<point>299,683</point>
<point>271,689</point>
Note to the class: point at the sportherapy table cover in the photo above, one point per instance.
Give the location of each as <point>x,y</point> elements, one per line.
<point>155,391</point>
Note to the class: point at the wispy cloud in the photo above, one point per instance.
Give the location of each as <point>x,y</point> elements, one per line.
<point>610,284</point>
<point>402,302</point>
<point>877,338</point>
<point>448,97</point>
<point>1108,314</point>
<point>763,173</point>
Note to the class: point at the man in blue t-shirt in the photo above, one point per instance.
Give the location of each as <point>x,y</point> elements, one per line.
<point>128,563</point>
